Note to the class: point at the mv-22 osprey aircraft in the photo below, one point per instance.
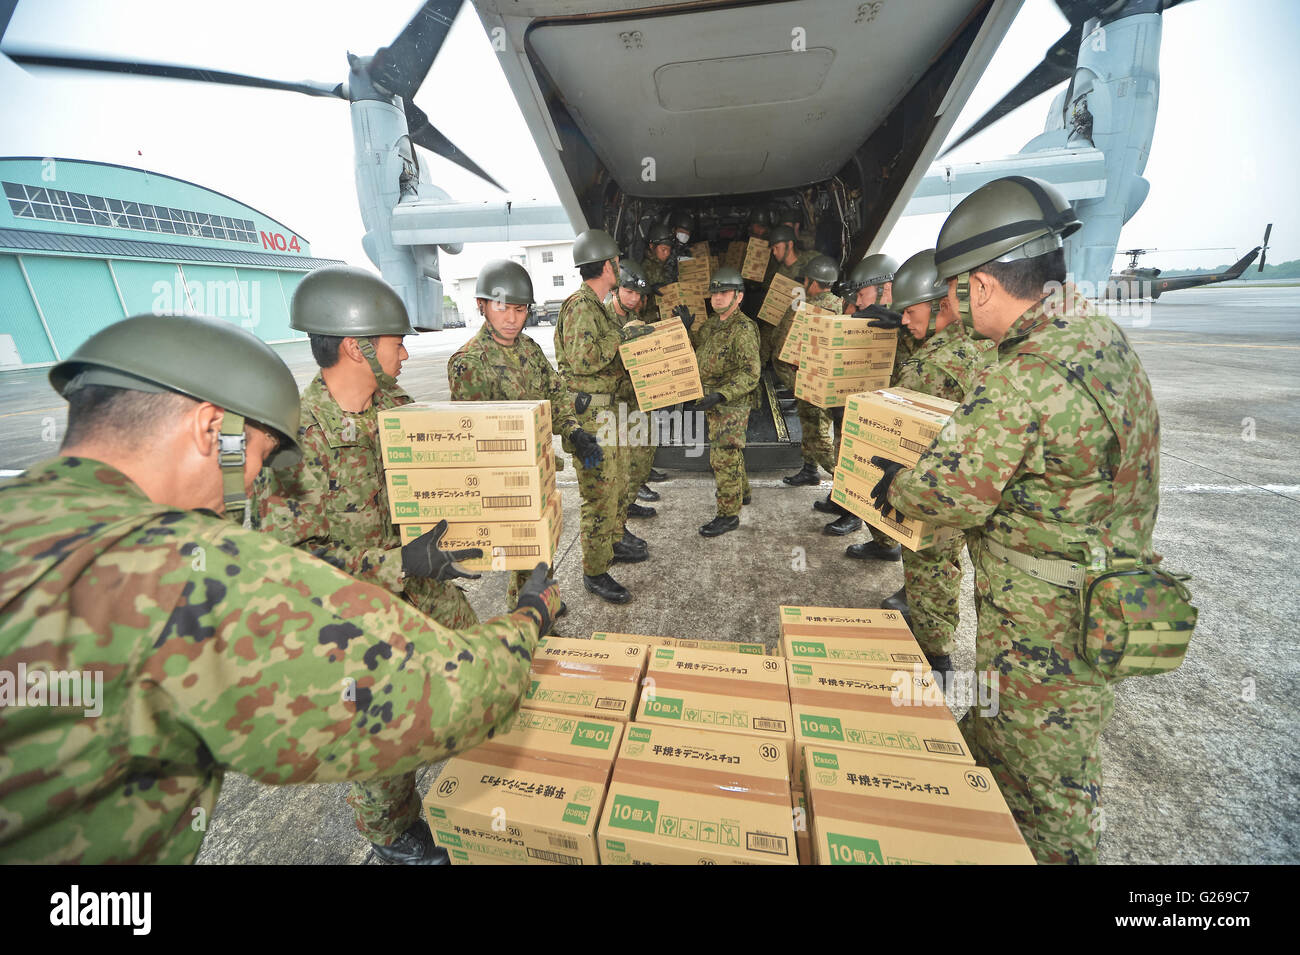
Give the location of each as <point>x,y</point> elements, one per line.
<point>829,109</point>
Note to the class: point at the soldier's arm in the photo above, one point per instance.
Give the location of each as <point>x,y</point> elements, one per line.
<point>564,417</point>
<point>290,671</point>
<point>588,342</point>
<point>470,379</point>
<point>960,480</point>
<point>745,371</point>
<point>289,505</point>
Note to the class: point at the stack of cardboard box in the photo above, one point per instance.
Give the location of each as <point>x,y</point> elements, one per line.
<point>755,259</point>
<point>734,258</point>
<point>724,646</point>
<point>589,678</point>
<point>780,294</point>
<point>900,425</point>
<point>487,467</point>
<point>843,356</point>
<point>793,349</point>
<point>662,366</point>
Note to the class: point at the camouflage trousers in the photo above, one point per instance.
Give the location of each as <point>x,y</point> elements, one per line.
<point>766,342</point>
<point>816,444</point>
<point>727,426</point>
<point>389,805</point>
<point>1044,743</point>
<point>932,578</point>
<point>602,490</point>
<point>639,461</point>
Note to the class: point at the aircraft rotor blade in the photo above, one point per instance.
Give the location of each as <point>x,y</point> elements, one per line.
<point>168,71</point>
<point>424,134</point>
<point>1263,251</point>
<point>402,66</point>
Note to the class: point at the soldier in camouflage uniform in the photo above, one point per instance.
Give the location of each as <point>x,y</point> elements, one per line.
<point>660,269</point>
<point>1054,460</point>
<point>727,353</point>
<point>219,648</point>
<point>333,503</point>
<point>624,306</point>
<point>500,363</point>
<point>945,365</point>
<point>787,260</point>
<point>586,350</point>
<point>819,275</point>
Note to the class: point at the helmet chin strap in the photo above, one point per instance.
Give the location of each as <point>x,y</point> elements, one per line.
<point>934,318</point>
<point>383,379</point>
<point>233,453</point>
<point>963,307</point>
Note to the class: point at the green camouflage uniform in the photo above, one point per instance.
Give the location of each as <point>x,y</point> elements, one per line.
<point>586,349</point>
<point>815,422</point>
<point>727,353</point>
<point>944,365</point>
<point>1055,451</point>
<point>486,370</point>
<point>640,457</point>
<point>220,649</point>
<point>656,273</point>
<point>334,504</point>
<point>767,334</point>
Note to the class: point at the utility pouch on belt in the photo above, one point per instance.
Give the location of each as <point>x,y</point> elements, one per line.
<point>1137,620</point>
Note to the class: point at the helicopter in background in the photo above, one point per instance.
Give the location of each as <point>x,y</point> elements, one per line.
<point>1134,282</point>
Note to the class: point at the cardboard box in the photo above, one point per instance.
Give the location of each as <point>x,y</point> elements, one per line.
<point>463,434</point>
<point>887,653</point>
<point>586,677</point>
<point>843,332</point>
<point>723,646</point>
<point>802,826</point>
<point>780,292</point>
<point>668,340</point>
<point>792,350</point>
<point>899,713</point>
<point>725,692</point>
<point>532,794</point>
<point>695,270</point>
<point>848,362</point>
<point>845,622</point>
<point>825,392</point>
<point>681,293</point>
<point>735,256</point>
<point>674,386</point>
<point>869,809</point>
<point>899,423</point>
<point>853,490</point>
<point>757,254</point>
<point>427,495</point>
<point>506,545</point>
<point>690,797</point>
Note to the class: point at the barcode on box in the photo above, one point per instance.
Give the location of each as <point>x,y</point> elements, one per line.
<point>925,432</point>
<point>509,500</point>
<point>562,842</point>
<point>524,533</point>
<point>762,842</point>
<point>895,526</point>
<point>502,444</point>
<point>771,726</point>
<point>904,658</point>
<point>669,349</point>
<point>610,703</point>
<point>913,446</point>
<point>943,746</point>
<point>510,424</point>
<point>557,857</point>
<point>517,550</point>
<point>683,371</point>
<point>517,480</point>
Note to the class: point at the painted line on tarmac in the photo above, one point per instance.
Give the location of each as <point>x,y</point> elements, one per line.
<point>10,474</point>
<point>14,414</point>
<point>1282,489</point>
<point>1215,345</point>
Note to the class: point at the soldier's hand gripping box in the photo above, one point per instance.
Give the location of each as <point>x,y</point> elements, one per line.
<point>420,495</point>
<point>899,423</point>
<point>690,797</point>
<point>586,677</point>
<point>780,293</point>
<point>869,809</point>
<point>898,713</point>
<point>530,795</point>
<point>506,545</point>
<point>852,490</point>
<point>727,692</point>
<point>724,646</point>
<point>466,434</point>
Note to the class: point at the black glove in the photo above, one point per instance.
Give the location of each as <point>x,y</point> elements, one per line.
<point>684,313</point>
<point>708,401</point>
<point>534,592</point>
<point>880,316</point>
<point>580,402</point>
<point>423,558</point>
<point>588,448</point>
<point>880,493</point>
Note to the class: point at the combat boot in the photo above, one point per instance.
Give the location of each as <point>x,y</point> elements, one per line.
<point>829,507</point>
<point>748,498</point>
<point>631,549</point>
<point>640,510</point>
<point>657,476</point>
<point>606,588</point>
<point>807,475</point>
<point>645,494</point>
<point>941,667</point>
<point>719,525</point>
<point>869,550</point>
<point>898,601</point>
<point>845,524</point>
<point>631,540</point>
<point>413,847</point>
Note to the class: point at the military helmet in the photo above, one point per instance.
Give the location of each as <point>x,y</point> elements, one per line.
<point>205,358</point>
<point>875,269</point>
<point>349,302</point>
<point>594,245</point>
<point>631,277</point>
<point>726,279</point>
<point>684,219</point>
<point>502,280</point>
<point>780,233</point>
<point>1016,217</point>
<point>761,216</point>
<point>660,235</point>
<point>917,280</point>
<point>821,268</point>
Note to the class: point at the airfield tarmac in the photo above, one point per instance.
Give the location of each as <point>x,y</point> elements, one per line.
<point>1201,765</point>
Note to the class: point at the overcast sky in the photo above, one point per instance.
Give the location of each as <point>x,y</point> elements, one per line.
<point>1223,161</point>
